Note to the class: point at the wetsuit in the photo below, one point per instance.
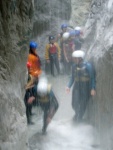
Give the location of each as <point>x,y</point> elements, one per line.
<point>49,105</point>
<point>29,92</point>
<point>83,78</point>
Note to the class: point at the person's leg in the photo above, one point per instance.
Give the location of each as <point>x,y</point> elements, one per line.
<point>28,114</point>
<point>27,106</point>
<point>76,103</point>
<point>84,98</point>
<point>47,67</point>
<point>45,123</point>
<point>52,65</point>
<point>56,61</point>
<point>53,108</point>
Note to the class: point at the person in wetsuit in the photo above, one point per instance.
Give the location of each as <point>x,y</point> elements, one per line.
<point>83,78</point>
<point>47,100</point>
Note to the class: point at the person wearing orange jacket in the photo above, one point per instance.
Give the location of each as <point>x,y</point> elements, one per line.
<point>34,71</point>
<point>33,65</point>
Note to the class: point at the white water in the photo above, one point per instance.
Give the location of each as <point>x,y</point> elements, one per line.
<point>62,133</point>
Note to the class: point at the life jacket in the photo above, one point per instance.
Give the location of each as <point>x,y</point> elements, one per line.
<point>35,68</point>
<point>46,98</point>
<point>81,73</point>
<point>52,49</point>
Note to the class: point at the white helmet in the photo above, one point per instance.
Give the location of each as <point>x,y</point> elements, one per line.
<point>78,28</point>
<point>65,36</point>
<point>42,87</point>
<point>78,53</point>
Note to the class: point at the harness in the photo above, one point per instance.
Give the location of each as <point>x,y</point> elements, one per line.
<point>46,98</point>
<point>81,73</point>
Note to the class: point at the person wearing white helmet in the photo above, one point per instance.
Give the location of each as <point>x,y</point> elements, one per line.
<point>83,78</point>
<point>78,40</point>
<point>61,39</point>
<point>67,51</point>
<point>78,28</point>
<point>47,100</point>
<point>65,36</point>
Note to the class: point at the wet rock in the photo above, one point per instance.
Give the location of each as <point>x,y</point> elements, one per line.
<point>48,17</point>
<point>79,13</point>
<point>15,30</point>
<point>99,48</point>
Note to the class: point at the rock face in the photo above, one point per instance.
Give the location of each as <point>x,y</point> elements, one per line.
<point>48,17</point>
<point>15,28</point>
<point>15,25</point>
<point>99,48</point>
<point>79,13</point>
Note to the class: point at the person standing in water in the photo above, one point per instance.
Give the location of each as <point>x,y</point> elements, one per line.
<point>83,78</point>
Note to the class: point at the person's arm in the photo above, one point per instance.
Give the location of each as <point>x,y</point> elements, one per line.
<point>73,47</point>
<point>31,97</point>
<point>71,81</point>
<point>47,52</point>
<point>57,38</point>
<point>92,78</point>
<point>58,49</point>
<point>64,51</point>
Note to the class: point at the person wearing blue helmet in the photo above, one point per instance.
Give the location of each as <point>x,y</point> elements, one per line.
<point>78,41</point>
<point>33,45</point>
<point>35,64</point>
<point>34,71</point>
<point>64,27</point>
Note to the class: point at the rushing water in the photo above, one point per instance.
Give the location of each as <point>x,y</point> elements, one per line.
<point>62,133</point>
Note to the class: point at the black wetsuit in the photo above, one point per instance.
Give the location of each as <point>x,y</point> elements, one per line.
<point>49,105</point>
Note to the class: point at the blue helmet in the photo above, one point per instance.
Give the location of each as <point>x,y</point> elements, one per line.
<point>77,32</point>
<point>72,33</point>
<point>33,44</point>
<point>63,26</point>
